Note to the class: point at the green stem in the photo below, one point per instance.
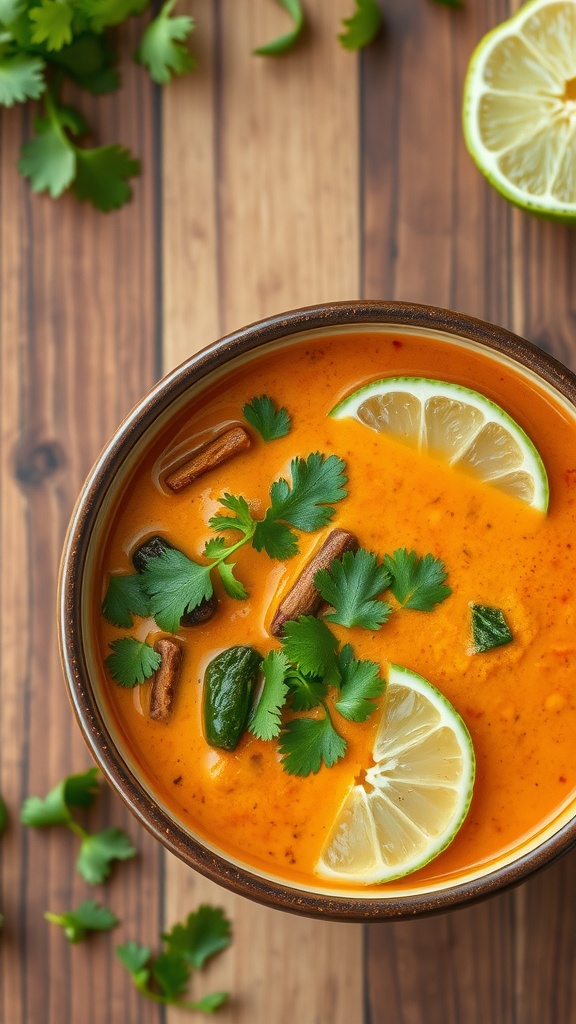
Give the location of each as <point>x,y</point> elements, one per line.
<point>77,829</point>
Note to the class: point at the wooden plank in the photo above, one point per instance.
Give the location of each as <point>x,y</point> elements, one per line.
<point>436,232</point>
<point>267,155</point>
<point>78,348</point>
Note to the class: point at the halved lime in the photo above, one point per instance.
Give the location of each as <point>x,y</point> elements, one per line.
<point>520,108</point>
<point>416,795</point>
<point>457,425</point>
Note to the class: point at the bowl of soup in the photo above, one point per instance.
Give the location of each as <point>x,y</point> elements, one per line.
<point>317,610</point>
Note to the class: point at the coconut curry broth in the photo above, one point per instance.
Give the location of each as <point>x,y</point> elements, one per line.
<point>518,701</point>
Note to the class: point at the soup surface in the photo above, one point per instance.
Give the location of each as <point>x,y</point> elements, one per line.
<point>518,701</point>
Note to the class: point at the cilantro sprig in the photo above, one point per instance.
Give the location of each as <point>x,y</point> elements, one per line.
<point>298,678</point>
<point>132,661</point>
<point>88,917</point>
<point>42,45</point>
<point>98,850</point>
<point>164,978</point>
<point>176,584</point>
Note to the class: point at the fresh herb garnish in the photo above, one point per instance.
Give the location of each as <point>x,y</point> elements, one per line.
<point>285,42</point>
<point>270,422</point>
<point>317,482</point>
<point>175,584</point>
<point>42,45</point>
<point>124,598</point>
<point>97,850</point>
<point>162,49</point>
<point>266,719</point>
<point>308,743</point>
<point>489,628</point>
<point>165,978</point>
<point>363,25</point>
<point>87,917</point>
<point>298,678</point>
<point>352,585</point>
<point>132,661</point>
<point>417,582</point>
<point>360,684</point>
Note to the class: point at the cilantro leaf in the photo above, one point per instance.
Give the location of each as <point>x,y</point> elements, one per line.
<point>308,743</point>
<point>99,850</point>
<point>351,585</point>
<point>417,582</point>
<point>105,13</point>
<point>54,809</point>
<point>132,661</point>
<point>161,49</point>
<point>3,815</point>
<point>135,959</point>
<point>316,482</point>
<point>306,692</point>
<point>172,974</point>
<point>241,519</point>
<point>265,721</point>
<point>52,23</point>
<point>270,422</point>
<point>363,25</point>
<point>87,917</point>
<point>361,682</point>
<point>489,628</point>
<point>285,42</point>
<point>276,539</point>
<point>233,587</point>
<point>102,176</point>
<point>309,643</point>
<point>91,62</point>
<point>175,585</point>
<point>124,598</point>
<point>10,10</point>
<point>21,78</point>
<point>213,1001</point>
<point>205,932</point>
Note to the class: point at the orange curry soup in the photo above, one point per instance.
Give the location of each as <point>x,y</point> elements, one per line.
<point>518,701</point>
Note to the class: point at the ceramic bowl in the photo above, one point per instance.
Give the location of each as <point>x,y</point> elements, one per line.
<point>89,520</point>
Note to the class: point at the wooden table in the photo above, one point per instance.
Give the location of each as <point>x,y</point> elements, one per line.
<point>266,185</point>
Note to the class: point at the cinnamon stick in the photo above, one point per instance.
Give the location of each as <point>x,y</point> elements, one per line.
<point>222,448</point>
<point>165,679</point>
<point>304,598</point>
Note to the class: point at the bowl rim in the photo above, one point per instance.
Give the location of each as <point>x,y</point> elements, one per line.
<point>102,745</point>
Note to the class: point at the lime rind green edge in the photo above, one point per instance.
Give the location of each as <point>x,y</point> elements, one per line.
<point>398,674</point>
<point>559,212</point>
<point>342,410</point>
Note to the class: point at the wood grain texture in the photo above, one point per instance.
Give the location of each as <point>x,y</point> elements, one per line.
<point>78,348</point>
<point>267,185</point>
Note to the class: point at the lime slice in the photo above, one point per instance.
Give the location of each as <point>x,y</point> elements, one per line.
<point>415,796</point>
<point>457,425</point>
<point>520,108</point>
